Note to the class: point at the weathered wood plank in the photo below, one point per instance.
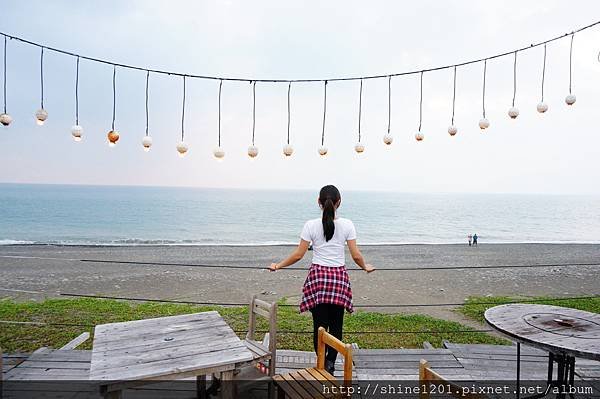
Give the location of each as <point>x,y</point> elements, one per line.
<point>74,343</point>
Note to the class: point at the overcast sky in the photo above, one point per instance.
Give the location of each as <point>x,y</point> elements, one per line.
<point>558,152</point>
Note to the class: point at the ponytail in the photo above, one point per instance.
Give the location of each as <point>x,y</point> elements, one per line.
<point>328,198</point>
<point>328,216</point>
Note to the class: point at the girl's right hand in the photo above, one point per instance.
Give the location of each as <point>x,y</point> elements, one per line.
<point>369,268</point>
<point>273,267</point>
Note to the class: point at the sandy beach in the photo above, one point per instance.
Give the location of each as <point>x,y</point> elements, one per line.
<point>53,270</point>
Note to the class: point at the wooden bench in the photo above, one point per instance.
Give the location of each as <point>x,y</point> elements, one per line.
<point>316,382</point>
<point>428,377</point>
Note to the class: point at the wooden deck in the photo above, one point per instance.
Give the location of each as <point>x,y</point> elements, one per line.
<point>458,362</point>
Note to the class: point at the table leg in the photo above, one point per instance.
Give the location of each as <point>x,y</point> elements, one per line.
<point>518,370</point>
<point>201,387</point>
<point>227,388</point>
<point>113,395</point>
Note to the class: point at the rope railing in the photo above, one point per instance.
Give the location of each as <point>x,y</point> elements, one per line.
<point>388,269</point>
<point>403,305</point>
<point>52,324</point>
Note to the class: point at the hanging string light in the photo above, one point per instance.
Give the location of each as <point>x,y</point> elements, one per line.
<point>388,138</point>
<point>41,114</point>
<point>359,147</point>
<point>5,118</point>
<point>252,149</point>
<point>419,135</point>
<point>570,99</point>
<point>513,111</point>
<point>542,106</point>
<point>182,147</point>
<point>483,122</point>
<point>113,135</point>
<point>218,152</point>
<point>147,140</point>
<point>452,130</point>
<point>76,129</point>
<point>322,149</point>
<point>288,150</point>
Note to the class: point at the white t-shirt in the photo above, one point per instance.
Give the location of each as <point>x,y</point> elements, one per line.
<point>329,253</point>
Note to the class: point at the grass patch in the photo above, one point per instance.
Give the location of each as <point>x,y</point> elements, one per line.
<point>68,318</point>
<point>476,306</point>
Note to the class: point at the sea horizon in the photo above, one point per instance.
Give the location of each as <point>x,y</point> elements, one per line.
<point>103,215</point>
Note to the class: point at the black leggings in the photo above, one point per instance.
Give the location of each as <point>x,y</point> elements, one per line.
<point>330,317</point>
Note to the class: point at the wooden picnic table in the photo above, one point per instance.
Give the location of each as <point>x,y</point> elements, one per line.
<point>562,332</point>
<point>144,351</point>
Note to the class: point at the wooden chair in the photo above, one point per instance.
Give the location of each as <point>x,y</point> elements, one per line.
<point>265,350</point>
<point>262,351</point>
<point>317,382</point>
<point>427,377</point>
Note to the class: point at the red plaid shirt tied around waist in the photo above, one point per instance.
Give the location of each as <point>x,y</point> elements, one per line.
<point>326,284</point>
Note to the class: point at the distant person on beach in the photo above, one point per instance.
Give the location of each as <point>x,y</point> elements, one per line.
<point>470,237</point>
<point>327,291</point>
<point>475,239</point>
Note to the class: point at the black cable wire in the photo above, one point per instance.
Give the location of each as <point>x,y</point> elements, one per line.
<point>4,84</point>
<point>389,103</point>
<point>288,112</point>
<point>357,270</point>
<point>483,96</point>
<point>324,112</point>
<point>543,73</point>
<point>403,305</point>
<point>253,110</point>
<point>114,96</point>
<point>514,80</point>
<point>183,111</point>
<point>147,79</point>
<point>52,324</point>
<point>77,93</point>
<point>571,61</point>
<point>360,108</point>
<point>421,103</point>
<point>300,80</point>
<point>42,78</point>
<point>220,89</point>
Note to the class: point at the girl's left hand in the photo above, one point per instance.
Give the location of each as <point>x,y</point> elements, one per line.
<point>273,267</point>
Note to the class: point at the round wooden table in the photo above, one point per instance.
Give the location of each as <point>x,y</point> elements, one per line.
<point>563,332</point>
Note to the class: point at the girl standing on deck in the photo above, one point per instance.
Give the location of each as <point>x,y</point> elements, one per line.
<point>327,291</point>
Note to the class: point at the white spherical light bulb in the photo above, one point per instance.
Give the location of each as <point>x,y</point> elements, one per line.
<point>419,136</point>
<point>452,130</point>
<point>484,123</point>
<point>252,151</point>
<point>40,116</point>
<point>388,139</point>
<point>288,150</point>
<point>323,151</point>
<point>513,112</point>
<point>570,99</point>
<point>219,153</point>
<point>542,107</point>
<point>76,132</point>
<point>147,143</point>
<point>5,119</point>
<point>182,149</point>
<point>359,148</point>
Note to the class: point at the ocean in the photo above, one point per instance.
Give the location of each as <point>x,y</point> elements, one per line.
<point>118,215</point>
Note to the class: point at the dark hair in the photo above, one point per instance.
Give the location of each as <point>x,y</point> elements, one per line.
<point>328,197</point>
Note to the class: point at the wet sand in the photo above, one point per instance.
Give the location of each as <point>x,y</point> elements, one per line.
<point>52,270</point>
